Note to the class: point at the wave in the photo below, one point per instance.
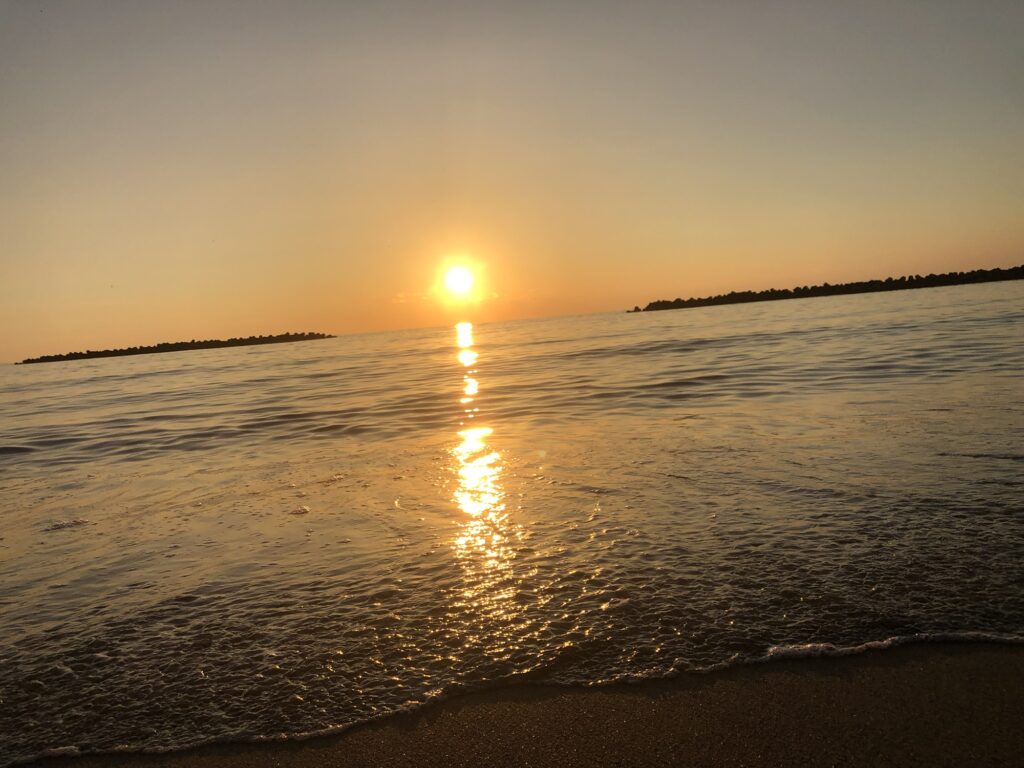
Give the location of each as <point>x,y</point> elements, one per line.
<point>405,384</point>
<point>677,497</point>
<point>773,654</point>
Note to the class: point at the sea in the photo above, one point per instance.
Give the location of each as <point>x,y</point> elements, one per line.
<point>279,541</point>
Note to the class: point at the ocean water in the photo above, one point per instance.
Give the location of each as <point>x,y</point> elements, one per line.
<point>270,542</point>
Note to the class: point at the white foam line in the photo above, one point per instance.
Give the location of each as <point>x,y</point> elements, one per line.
<point>774,653</point>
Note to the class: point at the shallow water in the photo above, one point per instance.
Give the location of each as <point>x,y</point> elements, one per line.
<point>268,541</point>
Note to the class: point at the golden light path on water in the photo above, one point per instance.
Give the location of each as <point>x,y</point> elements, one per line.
<point>484,542</point>
<point>479,493</point>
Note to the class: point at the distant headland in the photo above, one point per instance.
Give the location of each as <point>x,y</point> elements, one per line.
<point>179,346</point>
<point>826,289</point>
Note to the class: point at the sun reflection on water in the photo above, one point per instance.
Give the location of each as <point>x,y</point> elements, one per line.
<point>479,469</point>
<point>484,543</point>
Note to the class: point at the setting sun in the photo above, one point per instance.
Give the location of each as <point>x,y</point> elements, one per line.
<point>459,280</point>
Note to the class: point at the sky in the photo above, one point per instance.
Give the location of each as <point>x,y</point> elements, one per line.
<point>181,170</point>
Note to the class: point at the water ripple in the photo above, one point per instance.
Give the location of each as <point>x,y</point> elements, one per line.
<point>246,543</point>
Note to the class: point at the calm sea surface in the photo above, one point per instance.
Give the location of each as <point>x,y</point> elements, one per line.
<point>275,541</point>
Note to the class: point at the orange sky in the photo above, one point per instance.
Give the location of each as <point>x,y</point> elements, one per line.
<point>175,171</point>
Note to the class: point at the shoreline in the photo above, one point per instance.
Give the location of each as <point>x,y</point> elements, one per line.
<point>178,346</point>
<point>887,285</point>
<point>941,703</point>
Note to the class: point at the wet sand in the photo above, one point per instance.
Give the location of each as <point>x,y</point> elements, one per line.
<point>927,705</point>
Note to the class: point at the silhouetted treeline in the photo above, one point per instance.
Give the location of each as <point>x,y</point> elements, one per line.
<point>180,346</point>
<point>826,289</point>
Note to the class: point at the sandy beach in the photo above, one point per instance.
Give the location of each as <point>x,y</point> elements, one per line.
<point>927,705</point>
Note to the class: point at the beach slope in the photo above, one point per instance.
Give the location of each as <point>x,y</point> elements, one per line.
<point>922,705</point>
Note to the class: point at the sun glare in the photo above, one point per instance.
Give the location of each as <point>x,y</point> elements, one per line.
<point>459,281</point>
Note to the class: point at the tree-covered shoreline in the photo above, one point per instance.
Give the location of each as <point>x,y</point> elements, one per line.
<point>906,282</point>
<point>179,346</point>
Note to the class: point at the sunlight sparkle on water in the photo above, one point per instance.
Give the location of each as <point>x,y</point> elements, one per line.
<point>483,544</point>
<point>464,335</point>
<point>476,465</point>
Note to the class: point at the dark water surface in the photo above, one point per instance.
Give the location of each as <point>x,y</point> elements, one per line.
<point>268,541</point>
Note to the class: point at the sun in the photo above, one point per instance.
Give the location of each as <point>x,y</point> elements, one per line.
<point>459,281</point>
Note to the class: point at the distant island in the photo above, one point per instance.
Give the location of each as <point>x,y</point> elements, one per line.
<point>179,346</point>
<point>826,289</point>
